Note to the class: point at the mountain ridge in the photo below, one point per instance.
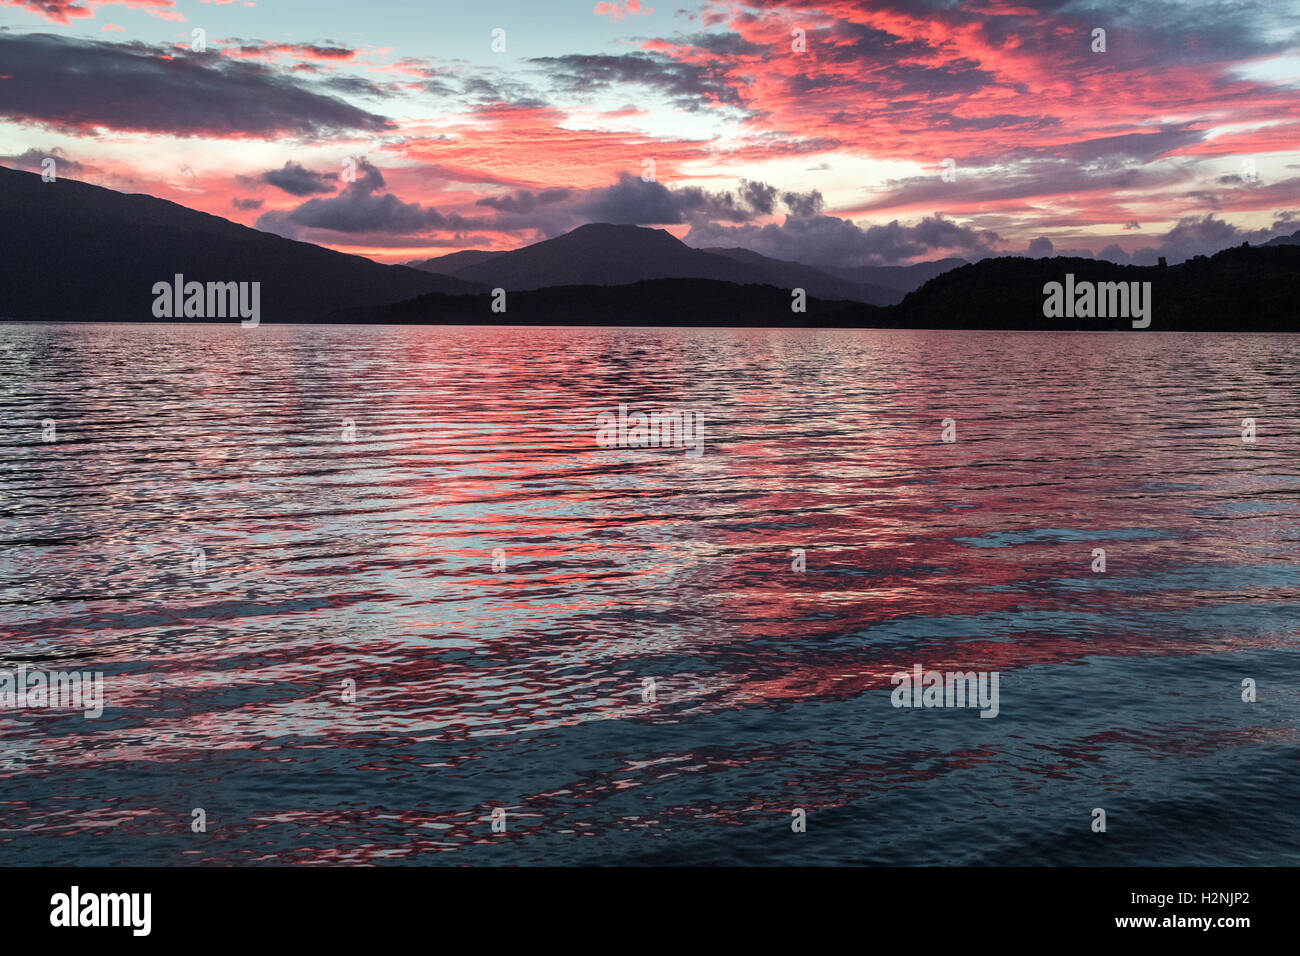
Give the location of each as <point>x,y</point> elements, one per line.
<point>618,254</point>
<point>82,250</point>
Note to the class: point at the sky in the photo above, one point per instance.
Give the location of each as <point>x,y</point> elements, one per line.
<point>833,133</point>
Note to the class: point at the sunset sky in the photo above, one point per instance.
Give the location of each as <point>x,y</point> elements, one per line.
<point>1182,137</point>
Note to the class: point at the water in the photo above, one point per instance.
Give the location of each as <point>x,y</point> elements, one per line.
<point>199,532</point>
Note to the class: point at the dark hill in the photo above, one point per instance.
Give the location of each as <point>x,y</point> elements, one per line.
<point>814,281</point>
<point>605,254</point>
<point>904,278</point>
<point>1243,289</point>
<point>1239,289</point>
<point>696,302</point>
<point>449,264</point>
<point>77,251</point>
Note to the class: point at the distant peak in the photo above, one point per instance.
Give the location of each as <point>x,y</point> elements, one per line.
<point>625,229</point>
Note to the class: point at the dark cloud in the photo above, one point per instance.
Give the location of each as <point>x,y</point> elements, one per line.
<point>32,159</point>
<point>632,201</point>
<point>315,51</point>
<point>1128,147</point>
<point>803,204</point>
<point>960,77</point>
<point>79,83</point>
<point>1040,247</point>
<point>355,86</point>
<point>828,241</point>
<point>297,180</point>
<point>363,207</point>
<point>857,43</point>
<point>246,204</point>
<point>723,44</point>
<point>1030,177</point>
<point>1199,236</point>
<point>481,92</point>
<point>1139,34</point>
<point>688,85</point>
<point>524,202</point>
<point>758,196</point>
<point>1206,235</point>
<point>1002,121</point>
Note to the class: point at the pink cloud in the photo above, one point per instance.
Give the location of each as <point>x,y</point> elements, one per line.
<point>64,11</point>
<point>630,9</point>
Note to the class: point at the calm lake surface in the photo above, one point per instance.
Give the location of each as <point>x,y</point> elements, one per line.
<point>200,530</point>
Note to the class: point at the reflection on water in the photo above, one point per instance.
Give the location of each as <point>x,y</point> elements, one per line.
<point>501,590</point>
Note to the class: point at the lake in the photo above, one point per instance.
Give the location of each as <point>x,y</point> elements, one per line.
<point>378,595</point>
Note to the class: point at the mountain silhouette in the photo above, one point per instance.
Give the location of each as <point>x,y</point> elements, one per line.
<point>691,302</point>
<point>77,251</point>
<point>1291,240</point>
<point>878,285</point>
<point>448,264</point>
<point>606,254</point>
<point>903,278</point>
<point>814,281</point>
<point>1240,289</point>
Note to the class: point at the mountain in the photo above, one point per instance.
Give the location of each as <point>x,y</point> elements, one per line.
<point>653,302</point>
<point>903,278</point>
<point>606,254</point>
<point>448,264</point>
<point>1238,290</point>
<point>814,281</point>
<point>77,251</point>
<point>1291,240</point>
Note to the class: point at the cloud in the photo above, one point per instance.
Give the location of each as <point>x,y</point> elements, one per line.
<point>634,201</point>
<point>524,202</point>
<point>1206,235</point>
<point>80,84</point>
<point>363,207</point>
<point>1040,247</point>
<point>803,204</point>
<point>618,11</point>
<point>33,158</point>
<point>690,86</point>
<point>1024,177</point>
<point>829,241</point>
<point>1198,236</point>
<point>758,196</point>
<point>628,201</point>
<point>246,204</point>
<point>65,11</point>
<point>297,180</point>
<point>253,49</point>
